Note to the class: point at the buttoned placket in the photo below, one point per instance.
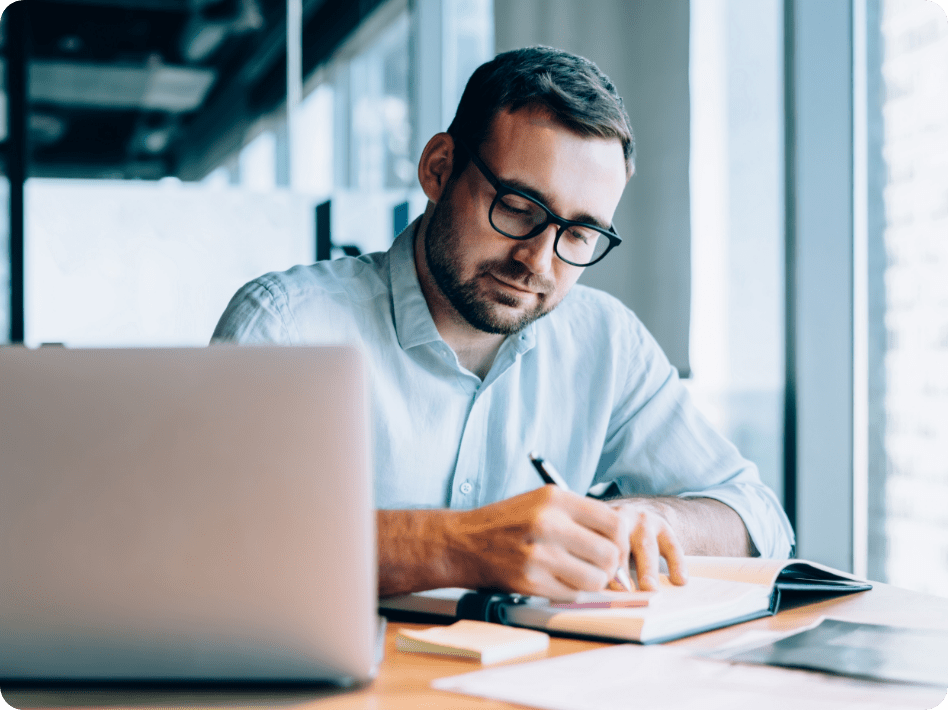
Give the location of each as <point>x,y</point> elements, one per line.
<point>467,484</point>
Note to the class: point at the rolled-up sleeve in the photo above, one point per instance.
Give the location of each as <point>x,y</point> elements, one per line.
<point>660,444</point>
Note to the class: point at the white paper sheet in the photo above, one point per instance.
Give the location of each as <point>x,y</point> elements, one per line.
<point>642,677</point>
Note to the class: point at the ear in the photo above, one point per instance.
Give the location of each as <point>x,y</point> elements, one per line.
<point>435,166</point>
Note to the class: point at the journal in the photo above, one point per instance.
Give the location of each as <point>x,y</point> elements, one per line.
<point>721,591</point>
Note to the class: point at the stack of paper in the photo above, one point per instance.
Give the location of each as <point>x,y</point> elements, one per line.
<point>632,676</point>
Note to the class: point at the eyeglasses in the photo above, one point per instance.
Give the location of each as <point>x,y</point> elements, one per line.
<point>518,216</point>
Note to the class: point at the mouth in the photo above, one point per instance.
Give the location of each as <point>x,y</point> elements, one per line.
<point>514,287</point>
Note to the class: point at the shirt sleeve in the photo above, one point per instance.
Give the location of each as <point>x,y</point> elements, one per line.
<point>660,444</point>
<point>257,313</point>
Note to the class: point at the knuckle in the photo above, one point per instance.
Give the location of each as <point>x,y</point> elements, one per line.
<point>532,581</point>
<point>598,579</point>
<point>544,523</point>
<point>525,583</point>
<point>549,494</point>
<point>607,555</point>
<point>523,578</point>
<point>618,527</point>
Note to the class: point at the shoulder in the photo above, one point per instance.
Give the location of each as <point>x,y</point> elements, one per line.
<point>598,314</point>
<point>597,327</point>
<point>356,278</point>
<point>282,306</point>
<point>588,297</point>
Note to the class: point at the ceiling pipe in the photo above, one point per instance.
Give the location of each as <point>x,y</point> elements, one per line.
<point>201,37</point>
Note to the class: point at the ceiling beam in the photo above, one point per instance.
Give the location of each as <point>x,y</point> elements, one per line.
<point>168,5</point>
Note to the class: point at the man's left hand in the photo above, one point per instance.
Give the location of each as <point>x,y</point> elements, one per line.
<point>651,537</point>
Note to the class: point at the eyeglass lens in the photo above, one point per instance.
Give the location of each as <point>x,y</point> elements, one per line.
<point>517,217</point>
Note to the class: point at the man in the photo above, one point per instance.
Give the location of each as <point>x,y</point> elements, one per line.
<point>482,349</point>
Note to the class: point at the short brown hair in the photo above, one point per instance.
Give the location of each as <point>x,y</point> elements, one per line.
<point>573,89</point>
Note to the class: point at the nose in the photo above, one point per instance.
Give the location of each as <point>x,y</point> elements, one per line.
<point>537,253</point>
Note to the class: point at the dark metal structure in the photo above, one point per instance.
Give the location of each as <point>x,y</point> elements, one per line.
<point>149,88</point>
<point>143,89</point>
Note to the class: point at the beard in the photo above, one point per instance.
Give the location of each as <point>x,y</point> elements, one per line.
<point>474,302</point>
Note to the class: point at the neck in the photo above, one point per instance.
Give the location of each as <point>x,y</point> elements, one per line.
<point>475,349</point>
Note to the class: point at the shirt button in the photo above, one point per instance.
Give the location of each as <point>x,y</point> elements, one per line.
<point>466,487</point>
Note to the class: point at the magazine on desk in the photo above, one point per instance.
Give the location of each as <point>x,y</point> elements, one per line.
<point>721,591</point>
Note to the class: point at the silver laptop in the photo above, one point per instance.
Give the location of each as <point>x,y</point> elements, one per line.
<point>186,514</point>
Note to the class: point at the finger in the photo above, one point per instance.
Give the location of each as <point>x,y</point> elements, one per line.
<point>556,574</point>
<point>604,520</point>
<point>563,549</point>
<point>547,584</point>
<point>671,550</point>
<point>621,579</point>
<point>561,528</point>
<point>645,554</point>
<point>577,576</point>
<point>594,549</point>
<point>625,551</point>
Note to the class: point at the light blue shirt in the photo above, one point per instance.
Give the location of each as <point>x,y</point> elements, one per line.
<point>586,386</point>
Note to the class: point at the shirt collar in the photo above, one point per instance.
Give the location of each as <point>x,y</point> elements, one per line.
<point>413,322</point>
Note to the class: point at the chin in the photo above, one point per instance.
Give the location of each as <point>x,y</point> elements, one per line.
<point>510,320</point>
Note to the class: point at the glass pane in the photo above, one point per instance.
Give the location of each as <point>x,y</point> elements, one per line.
<point>381,131</point>
<point>312,162</point>
<point>257,163</point>
<point>737,323</point>
<point>113,262</point>
<point>149,263</point>
<point>908,296</point>
<point>4,260</point>
<point>469,42</point>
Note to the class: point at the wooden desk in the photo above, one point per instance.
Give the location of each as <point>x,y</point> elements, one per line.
<point>404,679</point>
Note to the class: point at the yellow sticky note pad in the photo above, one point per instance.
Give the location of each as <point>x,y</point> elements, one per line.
<point>478,640</point>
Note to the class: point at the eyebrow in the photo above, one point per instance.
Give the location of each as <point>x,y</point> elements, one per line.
<point>540,197</point>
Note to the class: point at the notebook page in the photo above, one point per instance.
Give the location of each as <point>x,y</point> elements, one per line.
<point>753,570</point>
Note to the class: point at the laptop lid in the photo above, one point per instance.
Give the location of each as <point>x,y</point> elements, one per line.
<point>186,514</point>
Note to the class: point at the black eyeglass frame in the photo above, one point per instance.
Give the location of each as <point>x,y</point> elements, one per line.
<point>551,217</point>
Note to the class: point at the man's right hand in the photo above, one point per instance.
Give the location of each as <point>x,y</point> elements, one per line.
<point>547,542</point>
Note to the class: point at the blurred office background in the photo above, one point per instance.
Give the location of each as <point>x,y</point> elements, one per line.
<point>786,232</point>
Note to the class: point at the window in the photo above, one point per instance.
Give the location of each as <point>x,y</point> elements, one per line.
<point>258,162</point>
<point>899,339</point>
<point>149,263</point>
<point>737,317</point>
<point>313,144</point>
<point>154,262</point>
<point>379,106</point>
<point>907,116</point>
<point>5,261</point>
<point>374,170</point>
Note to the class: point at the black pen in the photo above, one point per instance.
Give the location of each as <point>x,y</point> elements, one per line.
<point>551,476</point>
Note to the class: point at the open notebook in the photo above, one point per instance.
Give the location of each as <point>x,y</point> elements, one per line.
<point>721,591</point>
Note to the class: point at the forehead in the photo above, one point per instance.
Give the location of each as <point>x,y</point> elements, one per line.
<point>575,174</point>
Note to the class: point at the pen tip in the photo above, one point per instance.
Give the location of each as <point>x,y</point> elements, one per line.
<point>624,579</point>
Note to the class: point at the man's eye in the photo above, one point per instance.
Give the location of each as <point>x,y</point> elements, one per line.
<point>580,235</point>
<point>516,206</point>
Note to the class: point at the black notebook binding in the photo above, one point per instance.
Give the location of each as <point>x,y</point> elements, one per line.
<point>487,605</point>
